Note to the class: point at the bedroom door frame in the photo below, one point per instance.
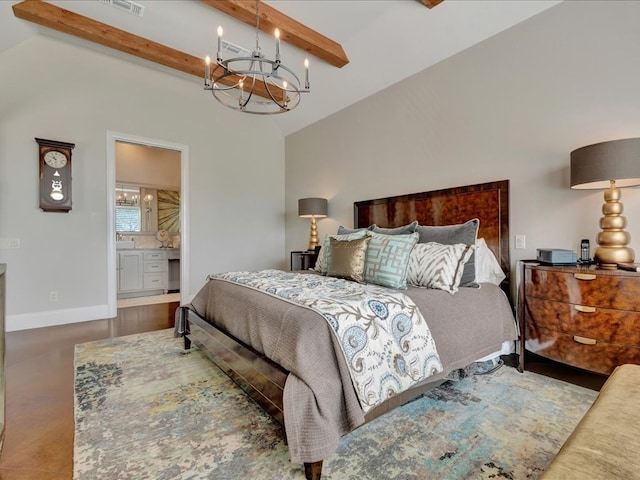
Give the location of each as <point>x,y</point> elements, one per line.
<point>112,280</point>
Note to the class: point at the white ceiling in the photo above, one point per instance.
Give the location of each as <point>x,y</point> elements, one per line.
<point>385,40</point>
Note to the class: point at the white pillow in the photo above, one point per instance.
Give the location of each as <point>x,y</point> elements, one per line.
<point>487,266</point>
<point>434,265</point>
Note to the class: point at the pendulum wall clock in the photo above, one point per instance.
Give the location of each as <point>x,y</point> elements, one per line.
<point>55,175</point>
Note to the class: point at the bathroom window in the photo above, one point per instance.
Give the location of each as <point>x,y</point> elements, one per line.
<point>128,214</point>
<point>128,219</point>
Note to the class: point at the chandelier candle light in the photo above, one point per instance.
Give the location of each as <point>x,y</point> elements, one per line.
<point>255,84</point>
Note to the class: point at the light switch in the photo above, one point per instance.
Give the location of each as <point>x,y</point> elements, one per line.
<point>520,242</point>
<point>6,243</point>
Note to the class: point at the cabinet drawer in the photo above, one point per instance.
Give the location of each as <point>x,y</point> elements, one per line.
<point>154,256</point>
<point>602,324</point>
<point>152,267</point>
<point>619,291</point>
<point>600,357</point>
<point>154,281</point>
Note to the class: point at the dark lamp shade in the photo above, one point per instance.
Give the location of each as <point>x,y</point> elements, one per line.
<point>312,207</point>
<point>594,166</point>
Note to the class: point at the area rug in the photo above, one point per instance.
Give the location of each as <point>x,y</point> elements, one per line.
<point>147,409</point>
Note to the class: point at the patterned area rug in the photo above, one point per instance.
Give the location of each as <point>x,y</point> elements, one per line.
<point>146,409</point>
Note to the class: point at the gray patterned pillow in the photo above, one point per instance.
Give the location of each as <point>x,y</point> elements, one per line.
<point>434,265</point>
<point>324,255</point>
<point>450,235</point>
<point>387,259</point>
<point>348,258</point>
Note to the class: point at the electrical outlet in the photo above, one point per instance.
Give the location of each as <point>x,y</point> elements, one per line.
<point>53,296</point>
<point>520,242</point>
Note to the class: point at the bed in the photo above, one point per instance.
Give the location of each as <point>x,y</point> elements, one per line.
<point>273,349</point>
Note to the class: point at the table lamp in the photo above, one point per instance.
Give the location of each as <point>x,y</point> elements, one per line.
<point>312,208</point>
<point>609,165</point>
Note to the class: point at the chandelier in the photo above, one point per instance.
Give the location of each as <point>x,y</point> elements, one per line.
<point>125,200</point>
<point>255,84</point>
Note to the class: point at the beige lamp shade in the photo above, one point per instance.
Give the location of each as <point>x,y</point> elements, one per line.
<point>312,208</point>
<point>609,165</point>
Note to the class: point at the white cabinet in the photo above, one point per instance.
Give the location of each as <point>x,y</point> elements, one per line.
<point>155,270</point>
<point>142,272</point>
<point>129,271</point>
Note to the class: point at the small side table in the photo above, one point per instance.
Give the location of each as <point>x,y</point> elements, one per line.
<point>303,260</point>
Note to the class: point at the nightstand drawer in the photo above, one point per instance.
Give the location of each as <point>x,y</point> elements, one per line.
<point>602,324</point>
<point>617,291</point>
<point>600,357</point>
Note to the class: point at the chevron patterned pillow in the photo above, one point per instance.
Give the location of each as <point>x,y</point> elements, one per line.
<point>434,265</point>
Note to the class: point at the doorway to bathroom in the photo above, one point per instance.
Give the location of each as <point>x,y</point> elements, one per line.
<point>147,197</point>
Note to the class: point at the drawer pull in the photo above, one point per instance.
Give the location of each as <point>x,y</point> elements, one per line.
<point>584,276</point>
<point>584,340</point>
<point>585,308</point>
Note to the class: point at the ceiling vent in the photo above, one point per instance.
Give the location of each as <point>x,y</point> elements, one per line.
<point>236,50</point>
<point>126,5</point>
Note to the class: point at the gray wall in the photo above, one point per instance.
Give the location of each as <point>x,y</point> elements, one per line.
<point>512,107</point>
<point>61,91</point>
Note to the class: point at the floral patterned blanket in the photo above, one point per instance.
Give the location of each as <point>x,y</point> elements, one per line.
<point>384,337</point>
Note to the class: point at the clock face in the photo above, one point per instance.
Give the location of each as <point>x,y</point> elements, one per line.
<point>55,159</point>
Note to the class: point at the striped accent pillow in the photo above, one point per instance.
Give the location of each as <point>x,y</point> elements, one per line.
<point>434,265</point>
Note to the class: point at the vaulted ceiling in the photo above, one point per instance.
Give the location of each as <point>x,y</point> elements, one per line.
<point>356,47</point>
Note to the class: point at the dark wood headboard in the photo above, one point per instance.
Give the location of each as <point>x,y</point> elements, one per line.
<point>488,202</point>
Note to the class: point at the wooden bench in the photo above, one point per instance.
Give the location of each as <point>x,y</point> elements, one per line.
<point>606,443</point>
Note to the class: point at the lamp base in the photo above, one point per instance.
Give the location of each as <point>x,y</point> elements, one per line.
<point>609,257</point>
<point>613,239</point>
<point>313,235</point>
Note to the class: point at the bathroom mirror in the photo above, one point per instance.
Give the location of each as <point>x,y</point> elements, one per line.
<point>146,209</point>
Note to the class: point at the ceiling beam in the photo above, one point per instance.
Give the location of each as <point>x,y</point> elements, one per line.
<point>431,3</point>
<point>291,31</point>
<point>71,23</point>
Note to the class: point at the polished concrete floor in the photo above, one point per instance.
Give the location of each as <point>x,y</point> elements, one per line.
<point>39,374</point>
<point>38,441</point>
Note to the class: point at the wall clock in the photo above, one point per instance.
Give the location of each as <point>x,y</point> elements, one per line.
<point>55,175</point>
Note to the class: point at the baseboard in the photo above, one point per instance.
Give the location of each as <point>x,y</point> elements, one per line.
<point>26,321</point>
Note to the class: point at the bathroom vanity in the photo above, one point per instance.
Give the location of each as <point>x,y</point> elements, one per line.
<point>145,272</point>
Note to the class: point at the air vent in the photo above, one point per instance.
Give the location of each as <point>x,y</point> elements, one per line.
<point>235,50</point>
<point>126,5</point>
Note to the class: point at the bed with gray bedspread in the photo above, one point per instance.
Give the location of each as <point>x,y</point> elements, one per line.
<point>320,404</point>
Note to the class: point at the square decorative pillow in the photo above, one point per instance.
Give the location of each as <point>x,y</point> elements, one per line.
<point>387,259</point>
<point>325,251</point>
<point>450,235</point>
<point>434,265</point>
<point>348,258</point>
<point>403,230</point>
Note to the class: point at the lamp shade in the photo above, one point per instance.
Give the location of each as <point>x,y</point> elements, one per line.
<point>594,166</point>
<point>312,207</point>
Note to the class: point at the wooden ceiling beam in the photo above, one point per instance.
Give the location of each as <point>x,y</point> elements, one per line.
<point>431,3</point>
<point>71,23</point>
<point>291,31</point>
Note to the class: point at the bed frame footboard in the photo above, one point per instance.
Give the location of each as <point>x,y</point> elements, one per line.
<point>313,471</point>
